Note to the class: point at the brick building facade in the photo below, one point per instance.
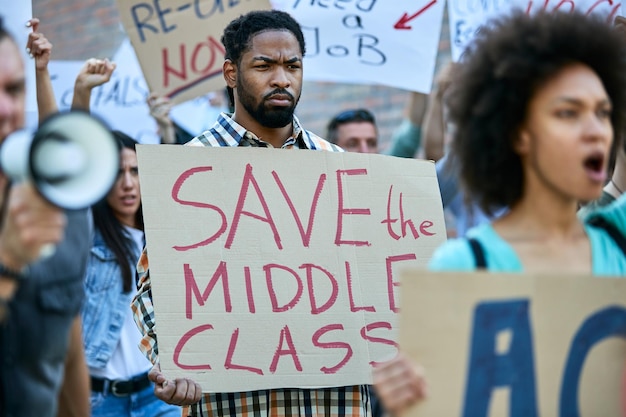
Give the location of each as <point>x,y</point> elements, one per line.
<point>92,28</point>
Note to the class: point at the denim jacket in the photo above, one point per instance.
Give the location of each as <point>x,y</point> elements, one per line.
<point>105,304</point>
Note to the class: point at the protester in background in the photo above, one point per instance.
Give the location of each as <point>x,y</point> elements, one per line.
<point>171,132</point>
<point>425,120</point>
<point>461,214</point>
<point>535,128</point>
<point>462,210</point>
<point>354,131</point>
<point>43,368</point>
<point>263,71</point>
<point>437,130</point>
<point>406,143</point>
<point>119,371</point>
<point>407,138</point>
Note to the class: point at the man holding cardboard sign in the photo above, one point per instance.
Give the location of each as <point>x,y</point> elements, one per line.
<point>263,69</point>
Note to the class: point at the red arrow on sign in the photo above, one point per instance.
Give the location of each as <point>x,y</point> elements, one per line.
<point>402,23</point>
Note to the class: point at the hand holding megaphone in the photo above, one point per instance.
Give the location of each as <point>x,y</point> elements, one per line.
<point>72,161</point>
<point>31,227</point>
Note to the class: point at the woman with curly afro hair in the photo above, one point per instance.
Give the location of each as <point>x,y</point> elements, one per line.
<point>537,102</point>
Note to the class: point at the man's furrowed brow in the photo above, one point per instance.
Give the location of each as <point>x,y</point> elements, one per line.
<point>274,61</point>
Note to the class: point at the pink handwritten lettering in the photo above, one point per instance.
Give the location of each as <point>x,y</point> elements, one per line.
<point>175,195</point>
<point>228,364</point>
<point>309,278</point>
<point>191,287</point>
<point>353,306</point>
<point>183,341</point>
<point>248,179</point>
<point>285,338</point>
<point>272,293</point>
<point>305,236</point>
<point>375,326</point>
<point>332,345</point>
<point>390,260</point>
<point>341,210</point>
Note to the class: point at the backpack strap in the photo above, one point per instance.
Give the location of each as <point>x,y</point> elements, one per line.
<point>611,230</point>
<point>479,253</point>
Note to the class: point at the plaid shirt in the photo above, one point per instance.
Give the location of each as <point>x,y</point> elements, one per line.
<point>349,401</point>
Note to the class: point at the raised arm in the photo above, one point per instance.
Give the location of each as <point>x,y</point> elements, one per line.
<point>39,48</point>
<point>435,119</point>
<point>93,73</point>
<point>407,138</point>
<point>160,110</point>
<point>434,128</point>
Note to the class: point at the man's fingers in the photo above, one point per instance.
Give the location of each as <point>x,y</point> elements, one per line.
<point>31,43</point>
<point>33,23</point>
<point>166,391</point>
<point>187,391</point>
<point>179,392</point>
<point>155,375</point>
<point>399,383</point>
<point>40,46</point>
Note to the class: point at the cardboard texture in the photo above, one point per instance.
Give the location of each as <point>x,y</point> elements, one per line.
<point>249,249</point>
<point>515,345</point>
<point>178,42</point>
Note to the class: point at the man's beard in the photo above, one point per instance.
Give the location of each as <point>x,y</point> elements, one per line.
<point>268,116</point>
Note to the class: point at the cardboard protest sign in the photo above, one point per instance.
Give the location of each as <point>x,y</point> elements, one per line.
<point>516,345</point>
<point>275,268</point>
<point>467,16</point>
<point>178,42</point>
<point>391,43</point>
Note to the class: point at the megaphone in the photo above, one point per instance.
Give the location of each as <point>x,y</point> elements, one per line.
<point>72,159</point>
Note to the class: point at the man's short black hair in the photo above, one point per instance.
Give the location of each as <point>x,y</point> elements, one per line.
<point>238,34</point>
<point>509,60</point>
<point>347,116</point>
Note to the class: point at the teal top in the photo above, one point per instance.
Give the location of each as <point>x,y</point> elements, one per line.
<point>405,140</point>
<point>607,257</point>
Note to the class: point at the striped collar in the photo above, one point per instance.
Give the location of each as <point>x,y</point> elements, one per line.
<point>227,132</point>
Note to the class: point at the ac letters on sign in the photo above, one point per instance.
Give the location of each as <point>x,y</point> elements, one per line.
<point>516,345</point>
